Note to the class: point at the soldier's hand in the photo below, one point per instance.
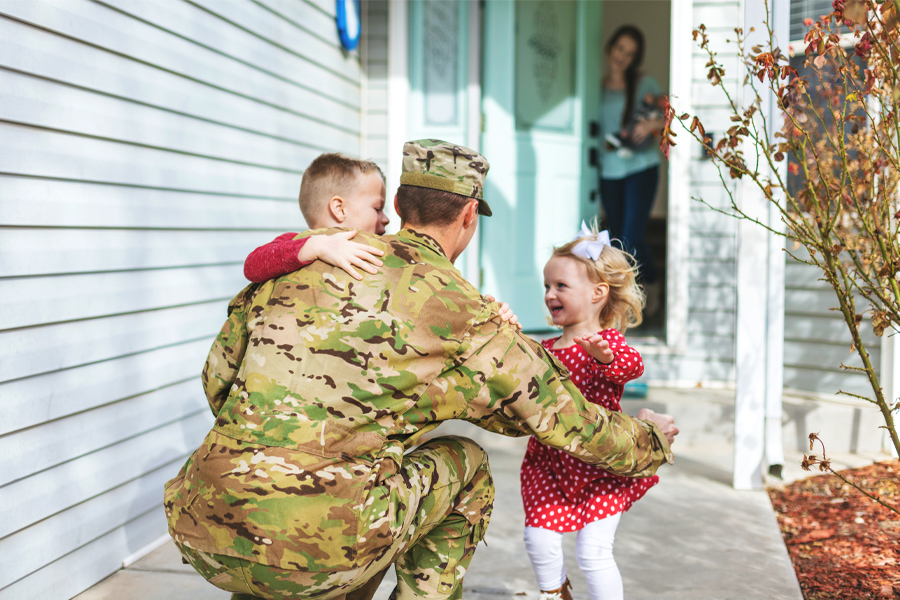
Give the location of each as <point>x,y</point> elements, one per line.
<point>506,312</point>
<point>596,346</point>
<point>338,250</point>
<point>666,423</point>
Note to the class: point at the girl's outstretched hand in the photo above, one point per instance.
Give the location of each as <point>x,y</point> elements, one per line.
<point>506,312</point>
<point>596,346</point>
<point>338,251</point>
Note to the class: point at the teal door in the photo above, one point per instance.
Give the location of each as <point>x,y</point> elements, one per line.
<point>540,89</point>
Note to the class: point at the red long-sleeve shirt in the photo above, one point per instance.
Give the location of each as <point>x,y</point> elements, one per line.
<point>275,258</point>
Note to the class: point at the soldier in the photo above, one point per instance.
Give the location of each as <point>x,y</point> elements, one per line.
<point>320,383</point>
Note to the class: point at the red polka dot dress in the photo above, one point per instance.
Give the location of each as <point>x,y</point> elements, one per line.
<point>561,493</point>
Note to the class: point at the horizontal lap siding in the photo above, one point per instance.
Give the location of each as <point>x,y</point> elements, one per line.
<point>147,147</point>
<point>709,354</point>
<point>816,338</point>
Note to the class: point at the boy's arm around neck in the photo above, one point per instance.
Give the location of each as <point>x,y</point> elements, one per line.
<point>278,257</point>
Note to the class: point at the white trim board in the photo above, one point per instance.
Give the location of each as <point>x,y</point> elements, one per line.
<point>678,217</point>
<point>142,552</point>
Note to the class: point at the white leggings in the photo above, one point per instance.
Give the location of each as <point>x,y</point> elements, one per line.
<point>593,552</point>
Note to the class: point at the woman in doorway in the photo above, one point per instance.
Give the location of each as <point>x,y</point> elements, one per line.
<point>630,115</point>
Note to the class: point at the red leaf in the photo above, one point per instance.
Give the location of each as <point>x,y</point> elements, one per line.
<point>812,536</point>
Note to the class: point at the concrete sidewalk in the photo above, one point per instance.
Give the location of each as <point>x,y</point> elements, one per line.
<point>691,537</point>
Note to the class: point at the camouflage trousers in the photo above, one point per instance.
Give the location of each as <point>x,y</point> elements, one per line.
<point>441,498</point>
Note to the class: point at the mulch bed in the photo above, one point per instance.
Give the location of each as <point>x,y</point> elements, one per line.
<point>843,545</point>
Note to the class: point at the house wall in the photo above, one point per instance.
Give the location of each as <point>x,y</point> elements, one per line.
<point>816,338</point>
<point>147,147</point>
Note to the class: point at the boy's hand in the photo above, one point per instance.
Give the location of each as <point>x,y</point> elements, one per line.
<point>596,346</point>
<point>338,251</point>
<point>666,423</point>
<point>506,312</point>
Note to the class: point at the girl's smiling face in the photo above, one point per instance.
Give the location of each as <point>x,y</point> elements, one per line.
<point>572,298</point>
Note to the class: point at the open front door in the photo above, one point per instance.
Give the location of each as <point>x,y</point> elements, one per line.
<point>540,81</point>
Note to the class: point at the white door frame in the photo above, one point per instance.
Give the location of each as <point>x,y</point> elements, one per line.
<point>471,267</point>
<point>759,327</point>
<point>398,100</point>
<point>679,210</point>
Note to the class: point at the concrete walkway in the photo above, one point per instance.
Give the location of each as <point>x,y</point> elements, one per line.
<point>691,537</point>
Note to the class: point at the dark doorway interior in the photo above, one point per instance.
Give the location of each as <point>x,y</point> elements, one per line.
<point>656,64</point>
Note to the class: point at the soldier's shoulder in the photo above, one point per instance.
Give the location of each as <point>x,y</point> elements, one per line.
<point>361,237</point>
<point>244,297</point>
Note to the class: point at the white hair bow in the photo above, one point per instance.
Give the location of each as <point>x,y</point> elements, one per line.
<point>593,246</point>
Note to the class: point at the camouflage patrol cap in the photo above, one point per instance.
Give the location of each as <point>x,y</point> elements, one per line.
<point>444,166</point>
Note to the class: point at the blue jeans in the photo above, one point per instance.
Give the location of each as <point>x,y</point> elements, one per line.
<point>627,203</point>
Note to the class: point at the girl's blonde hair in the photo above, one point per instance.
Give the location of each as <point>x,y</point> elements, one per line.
<point>617,269</point>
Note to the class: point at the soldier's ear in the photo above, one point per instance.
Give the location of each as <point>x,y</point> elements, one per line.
<point>470,213</point>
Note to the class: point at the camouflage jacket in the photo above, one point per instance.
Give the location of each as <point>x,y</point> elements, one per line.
<point>320,382</point>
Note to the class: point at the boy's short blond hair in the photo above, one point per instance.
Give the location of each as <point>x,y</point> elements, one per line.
<point>617,269</point>
<point>329,175</point>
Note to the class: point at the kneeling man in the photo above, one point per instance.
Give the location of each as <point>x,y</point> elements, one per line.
<point>320,383</point>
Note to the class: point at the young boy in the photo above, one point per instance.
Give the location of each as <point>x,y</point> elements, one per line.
<point>336,191</point>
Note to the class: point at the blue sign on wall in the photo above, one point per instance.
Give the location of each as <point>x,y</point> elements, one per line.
<point>349,23</point>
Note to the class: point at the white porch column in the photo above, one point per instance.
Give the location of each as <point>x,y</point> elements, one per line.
<point>759,340</point>
<point>750,342</point>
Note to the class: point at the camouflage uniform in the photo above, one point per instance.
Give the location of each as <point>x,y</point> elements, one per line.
<point>320,383</point>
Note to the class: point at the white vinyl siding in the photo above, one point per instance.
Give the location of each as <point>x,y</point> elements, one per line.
<point>147,148</point>
<point>816,338</point>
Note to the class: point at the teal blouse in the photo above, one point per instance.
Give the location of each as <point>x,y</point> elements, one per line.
<point>612,104</point>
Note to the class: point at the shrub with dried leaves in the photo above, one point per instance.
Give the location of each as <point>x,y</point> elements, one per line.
<point>840,141</point>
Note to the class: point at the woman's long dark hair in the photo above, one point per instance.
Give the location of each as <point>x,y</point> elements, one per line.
<point>632,73</point>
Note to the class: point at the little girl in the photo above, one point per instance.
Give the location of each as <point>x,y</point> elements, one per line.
<point>592,295</point>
